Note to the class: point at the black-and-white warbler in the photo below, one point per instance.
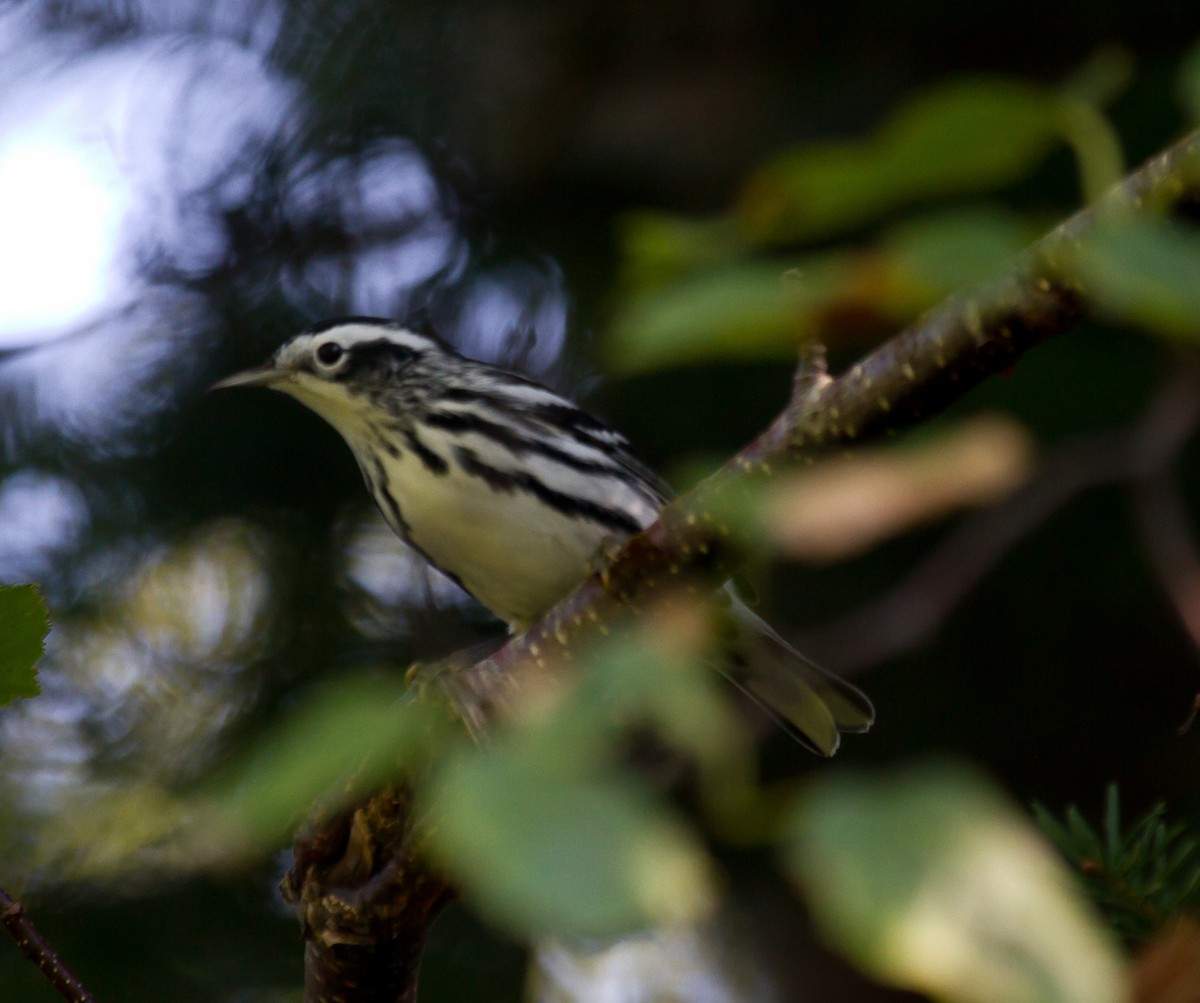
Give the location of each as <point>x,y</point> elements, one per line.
<point>510,490</point>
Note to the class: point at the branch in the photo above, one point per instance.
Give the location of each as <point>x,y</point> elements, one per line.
<point>38,950</point>
<point>368,899</point>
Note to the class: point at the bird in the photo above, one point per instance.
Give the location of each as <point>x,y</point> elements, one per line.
<point>511,490</point>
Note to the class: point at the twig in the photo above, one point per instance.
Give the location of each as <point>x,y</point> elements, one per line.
<point>37,949</point>
<point>1170,548</point>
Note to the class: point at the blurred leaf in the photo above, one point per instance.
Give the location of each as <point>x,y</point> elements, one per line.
<point>964,137</point>
<point>1097,147</point>
<point>930,880</point>
<point>660,673</point>
<point>949,250</point>
<point>341,742</point>
<point>1189,84</point>
<point>763,309</point>
<point>24,623</point>
<point>657,248</point>
<point>840,507</point>
<point>542,849</point>
<point>571,843</point>
<point>1102,77</point>
<point>740,310</point>
<point>760,310</point>
<point>1144,271</point>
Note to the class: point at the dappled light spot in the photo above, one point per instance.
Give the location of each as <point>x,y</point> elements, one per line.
<point>147,682</point>
<point>42,516</point>
<point>62,213</point>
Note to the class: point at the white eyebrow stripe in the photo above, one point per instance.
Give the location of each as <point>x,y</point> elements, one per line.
<point>301,348</point>
<point>349,335</point>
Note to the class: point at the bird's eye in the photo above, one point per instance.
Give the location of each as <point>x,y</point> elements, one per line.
<point>329,353</point>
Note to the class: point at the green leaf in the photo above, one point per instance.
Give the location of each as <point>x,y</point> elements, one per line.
<point>657,248</point>
<point>1143,271</point>
<point>542,850</point>
<point>930,880</point>
<point>760,309</point>
<point>1102,78</point>
<point>24,623</point>
<point>740,310</point>
<point>965,137</point>
<point>1112,823</point>
<point>339,743</point>
<point>1189,83</point>
<point>951,250</point>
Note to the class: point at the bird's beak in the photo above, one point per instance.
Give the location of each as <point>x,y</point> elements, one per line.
<point>263,376</point>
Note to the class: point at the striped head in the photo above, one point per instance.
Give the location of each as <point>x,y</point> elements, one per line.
<point>352,367</point>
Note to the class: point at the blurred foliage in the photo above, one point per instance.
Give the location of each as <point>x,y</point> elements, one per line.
<point>574,844</point>
<point>1141,874</point>
<point>1143,272</point>
<point>24,624</point>
<point>931,880</point>
<point>1189,84</point>
<point>966,137</point>
<point>696,289</point>
<point>368,729</point>
<point>766,308</point>
<point>565,852</point>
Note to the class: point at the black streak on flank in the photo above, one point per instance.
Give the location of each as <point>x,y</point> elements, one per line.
<point>507,482</point>
<point>377,482</point>
<point>590,431</point>
<point>431,460</point>
<point>460,423</point>
<point>376,478</point>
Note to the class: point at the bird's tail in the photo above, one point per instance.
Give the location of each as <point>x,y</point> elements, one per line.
<point>815,706</point>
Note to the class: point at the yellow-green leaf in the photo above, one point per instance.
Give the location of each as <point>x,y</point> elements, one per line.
<point>929,879</point>
<point>1145,272</point>
<point>543,851</point>
<point>964,137</point>
<point>341,742</point>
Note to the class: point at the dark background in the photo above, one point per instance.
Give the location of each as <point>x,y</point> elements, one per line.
<point>209,559</point>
